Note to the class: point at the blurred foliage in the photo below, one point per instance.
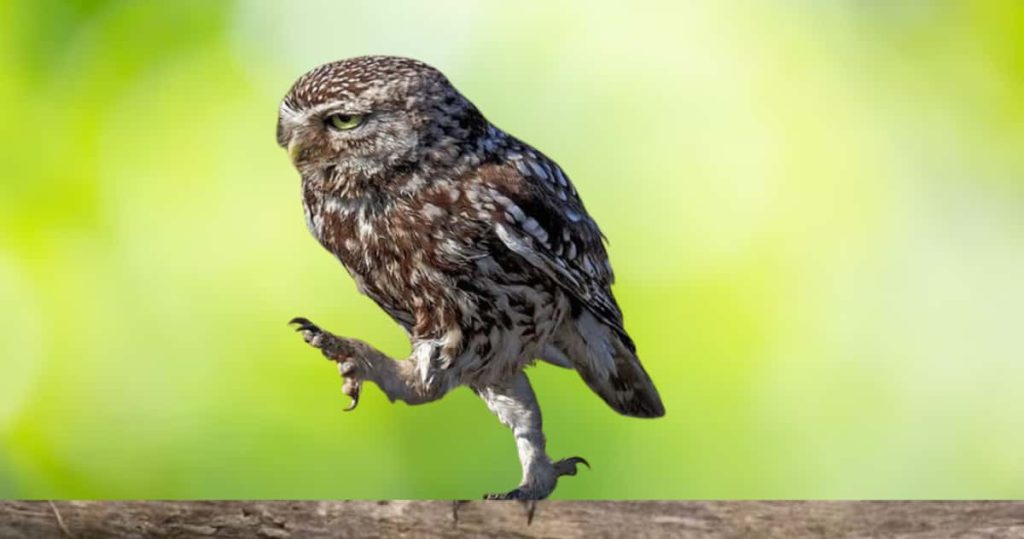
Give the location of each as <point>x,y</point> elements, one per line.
<point>815,213</point>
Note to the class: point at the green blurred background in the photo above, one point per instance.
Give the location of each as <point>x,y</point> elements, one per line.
<point>816,214</point>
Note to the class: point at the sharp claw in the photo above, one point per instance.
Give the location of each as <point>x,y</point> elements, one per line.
<point>351,387</point>
<point>567,466</point>
<point>308,327</point>
<point>303,324</point>
<point>456,504</point>
<point>299,320</point>
<point>354,393</point>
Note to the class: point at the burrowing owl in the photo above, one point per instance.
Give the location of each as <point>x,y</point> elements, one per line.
<point>474,242</point>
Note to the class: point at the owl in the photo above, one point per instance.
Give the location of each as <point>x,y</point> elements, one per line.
<point>474,242</point>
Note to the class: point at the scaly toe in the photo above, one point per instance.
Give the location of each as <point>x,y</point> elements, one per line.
<point>347,369</point>
<point>516,494</point>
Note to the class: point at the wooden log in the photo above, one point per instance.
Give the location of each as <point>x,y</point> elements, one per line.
<point>329,519</point>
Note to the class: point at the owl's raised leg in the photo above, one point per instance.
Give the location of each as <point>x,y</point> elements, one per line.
<point>516,407</point>
<point>358,361</point>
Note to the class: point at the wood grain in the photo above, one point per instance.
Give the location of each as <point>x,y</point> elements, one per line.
<point>696,519</point>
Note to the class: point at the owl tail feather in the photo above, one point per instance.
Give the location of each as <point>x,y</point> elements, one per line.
<point>606,360</point>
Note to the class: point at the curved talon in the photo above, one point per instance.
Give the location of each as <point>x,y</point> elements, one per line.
<point>531,508</point>
<point>303,324</point>
<point>567,466</point>
<point>456,504</point>
<point>354,393</point>
<point>352,388</point>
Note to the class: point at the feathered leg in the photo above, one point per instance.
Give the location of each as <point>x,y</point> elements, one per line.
<point>358,361</point>
<point>516,407</point>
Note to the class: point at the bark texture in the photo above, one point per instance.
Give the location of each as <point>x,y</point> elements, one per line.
<point>696,519</point>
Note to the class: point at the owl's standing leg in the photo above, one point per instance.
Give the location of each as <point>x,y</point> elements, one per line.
<point>516,407</point>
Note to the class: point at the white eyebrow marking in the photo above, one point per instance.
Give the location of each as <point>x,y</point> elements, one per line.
<point>292,117</point>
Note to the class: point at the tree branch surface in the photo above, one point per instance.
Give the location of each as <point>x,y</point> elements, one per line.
<point>685,519</point>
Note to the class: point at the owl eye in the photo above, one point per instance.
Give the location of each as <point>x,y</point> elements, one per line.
<point>344,122</point>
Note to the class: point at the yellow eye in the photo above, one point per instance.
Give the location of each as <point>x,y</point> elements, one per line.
<point>344,122</point>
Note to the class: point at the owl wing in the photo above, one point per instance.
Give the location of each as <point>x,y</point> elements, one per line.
<point>542,219</point>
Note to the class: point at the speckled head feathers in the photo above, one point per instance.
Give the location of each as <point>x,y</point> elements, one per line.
<point>353,77</point>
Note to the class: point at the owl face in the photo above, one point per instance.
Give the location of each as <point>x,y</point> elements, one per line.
<point>363,116</point>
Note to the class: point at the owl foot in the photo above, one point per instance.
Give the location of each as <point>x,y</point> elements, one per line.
<point>528,494</point>
<point>334,348</point>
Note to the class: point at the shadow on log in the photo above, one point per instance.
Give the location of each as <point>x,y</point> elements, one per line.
<point>313,519</point>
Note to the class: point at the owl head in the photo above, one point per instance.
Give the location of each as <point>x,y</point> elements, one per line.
<point>366,116</point>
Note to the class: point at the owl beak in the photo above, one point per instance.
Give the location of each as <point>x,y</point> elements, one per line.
<point>294,150</point>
